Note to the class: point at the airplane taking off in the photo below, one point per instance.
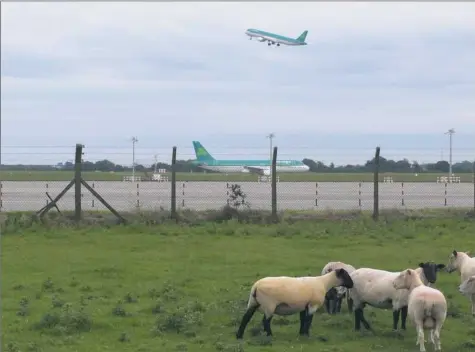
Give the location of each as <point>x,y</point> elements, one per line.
<point>262,167</point>
<point>276,39</point>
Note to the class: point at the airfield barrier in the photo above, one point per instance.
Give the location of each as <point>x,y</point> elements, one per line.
<point>160,191</point>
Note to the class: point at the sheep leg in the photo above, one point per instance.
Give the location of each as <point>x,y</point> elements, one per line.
<point>472,299</point>
<point>349,301</point>
<point>305,321</point>
<point>403,317</point>
<point>327,305</point>
<point>266,324</point>
<point>245,320</point>
<point>420,337</point>
<point>396,314</point>
<point>359,318</point>
<point>338,305</point>
<point>308,324</point>
<point>303,316</point>
<point>437,344</point>
<point>432,339</point>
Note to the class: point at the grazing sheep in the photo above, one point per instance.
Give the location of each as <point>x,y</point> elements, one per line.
<point>286,295</point>
<point>461,262</point>
<point>374,287</point>
<point>427,307</point>
<point>468,286</point>
<point>335,295</point>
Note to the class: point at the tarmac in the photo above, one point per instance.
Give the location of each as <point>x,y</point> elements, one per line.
<point>127,196</point>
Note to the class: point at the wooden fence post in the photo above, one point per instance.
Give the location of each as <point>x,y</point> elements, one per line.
<point>376,185</point>
<point>77,182</point>
<point>173,190</point>
<point>274,184</point>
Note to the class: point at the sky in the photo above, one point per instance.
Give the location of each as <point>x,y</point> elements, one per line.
<point>394,74</point>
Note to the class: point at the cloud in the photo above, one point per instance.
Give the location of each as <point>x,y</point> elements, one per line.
<point>172,72</point>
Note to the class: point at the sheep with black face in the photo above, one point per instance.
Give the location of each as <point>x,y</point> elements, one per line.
<point>284,295</point>
<point>374,287</point>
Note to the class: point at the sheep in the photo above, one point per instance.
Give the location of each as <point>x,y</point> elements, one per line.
<point>427,307</point>
<point>461,262</point>
<point>286,295</point>
<point>335,295</point>
<point>373,287</point>
<point>468,286</point>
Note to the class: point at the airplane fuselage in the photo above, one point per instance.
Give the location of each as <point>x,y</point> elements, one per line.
<point>239,168</point>
<point>273,39</point>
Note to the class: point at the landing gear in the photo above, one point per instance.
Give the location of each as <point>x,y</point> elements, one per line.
<point>269,43</point>
<point>278,44</point>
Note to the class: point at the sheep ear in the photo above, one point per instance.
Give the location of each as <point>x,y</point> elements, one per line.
<point>421,265</point>
<point>454,253</point>
<point>408,271</point>
<point>467,253</point>
<point>440,266</point>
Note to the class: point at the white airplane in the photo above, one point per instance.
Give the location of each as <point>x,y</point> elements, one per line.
<point>276,39</point>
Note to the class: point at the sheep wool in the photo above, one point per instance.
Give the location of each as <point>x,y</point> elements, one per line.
<point>284,295</point>
<point>374,287</point>
<point>465,265</point>
<point>427,307</point>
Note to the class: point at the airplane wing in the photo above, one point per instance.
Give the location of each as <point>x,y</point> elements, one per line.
<point>258,170</point>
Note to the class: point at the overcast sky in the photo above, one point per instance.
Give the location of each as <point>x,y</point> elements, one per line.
<point>170,73</point>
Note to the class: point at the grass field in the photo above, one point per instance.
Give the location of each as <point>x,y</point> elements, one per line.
<point>179,288</point>
<point>237,177</point>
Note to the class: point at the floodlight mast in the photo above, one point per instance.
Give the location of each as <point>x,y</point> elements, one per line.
<point>134,140</point>
<point>270,136</point>
<point>450,132</point>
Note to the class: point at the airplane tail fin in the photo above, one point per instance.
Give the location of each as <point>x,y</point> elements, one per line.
<point>201,153</point>
<point>302,37</point>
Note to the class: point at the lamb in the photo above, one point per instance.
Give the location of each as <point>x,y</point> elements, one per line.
<point>374,287</point>
<point>427,307</point>
<point>335,295</point>
<point>461,262</point>
<point>286,295</point>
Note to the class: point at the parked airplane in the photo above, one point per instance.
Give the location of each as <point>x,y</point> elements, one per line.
<point>276,39</point>
<point>262,167</point>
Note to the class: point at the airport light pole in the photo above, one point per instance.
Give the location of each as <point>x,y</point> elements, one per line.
<point>450,133</point>
<point>270,136</point>
<point>134,140</point>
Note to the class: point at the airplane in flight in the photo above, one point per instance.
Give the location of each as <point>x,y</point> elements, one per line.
<point>262,167</point>
<point>276,39</point>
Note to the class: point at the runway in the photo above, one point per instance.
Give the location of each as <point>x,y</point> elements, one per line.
<point>126,196</point>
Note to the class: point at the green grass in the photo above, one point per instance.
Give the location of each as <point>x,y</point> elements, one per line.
<point>237,177</point>
<point>184,288</point>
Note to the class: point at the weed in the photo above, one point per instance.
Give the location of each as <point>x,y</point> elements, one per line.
<point>67,321</point>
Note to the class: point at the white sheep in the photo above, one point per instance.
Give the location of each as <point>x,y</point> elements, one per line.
<point>286,295</point>
<point>335,295</point>
<point>427,307</point>
<point>374,287</point>
<point>461,262</point>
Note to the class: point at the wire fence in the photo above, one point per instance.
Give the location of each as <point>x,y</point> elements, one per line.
<point>168,189</point>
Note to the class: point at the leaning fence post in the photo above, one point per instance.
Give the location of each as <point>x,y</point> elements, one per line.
<point>77,182</point>
<point>274,184</point>
<point>473,177</point>
<point>376,185</point>
<point>173,190</point>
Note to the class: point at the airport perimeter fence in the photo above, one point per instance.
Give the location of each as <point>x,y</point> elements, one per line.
<point>165,192</point>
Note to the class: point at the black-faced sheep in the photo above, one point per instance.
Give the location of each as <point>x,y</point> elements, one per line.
<point>335,295</point>
<point>374,287</point>
<point>286,295</point>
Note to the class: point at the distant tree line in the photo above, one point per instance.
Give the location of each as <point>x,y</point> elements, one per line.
<point>386,165</point>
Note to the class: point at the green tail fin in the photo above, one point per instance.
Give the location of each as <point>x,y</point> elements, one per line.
<point>200,152</point>
<point>302,36</point>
